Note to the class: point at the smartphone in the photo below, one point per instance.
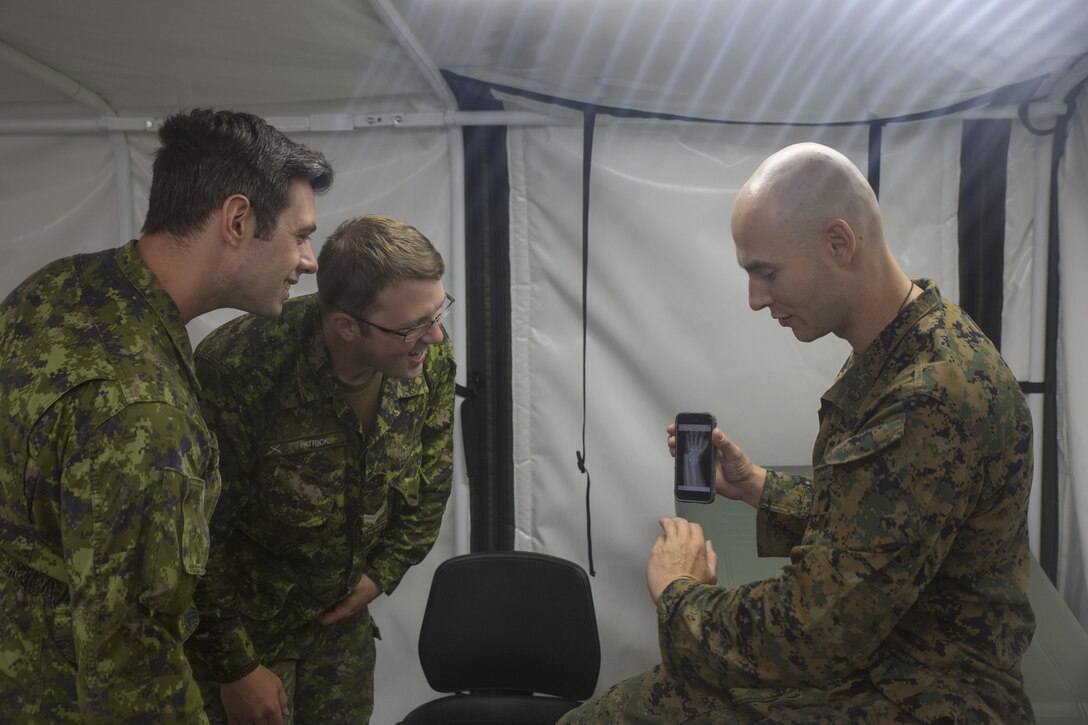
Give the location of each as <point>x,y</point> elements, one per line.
<point>694,479</point>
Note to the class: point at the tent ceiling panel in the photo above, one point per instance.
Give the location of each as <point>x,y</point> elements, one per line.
<point>800,61</point>
<point>333,55</point>
<point>755,60</point>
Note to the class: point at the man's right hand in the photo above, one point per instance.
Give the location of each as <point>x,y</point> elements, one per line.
<point>256,699</point>
<point>736,477</point>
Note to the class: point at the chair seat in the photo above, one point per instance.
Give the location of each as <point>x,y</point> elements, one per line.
<point>491,709</point>
<point>513,634</point>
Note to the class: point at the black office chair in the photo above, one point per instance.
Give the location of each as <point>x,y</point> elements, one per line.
<point>513,634</point>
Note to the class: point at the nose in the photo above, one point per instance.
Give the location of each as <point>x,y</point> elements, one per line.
<point>758,297</point>
<point>434,334</point>
<point>307,262</point>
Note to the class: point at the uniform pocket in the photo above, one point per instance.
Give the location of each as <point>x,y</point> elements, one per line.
<point>860,501</point>
<point>869,441</point>
<point>21,630</point>
<point>408,486</point>
<point>296,498</point>
<point>394,462</point>
<point>195,540</point>
<point>305,486</point>
<point>175,541</point>
<point>844,466</point>
<point>261,584</point>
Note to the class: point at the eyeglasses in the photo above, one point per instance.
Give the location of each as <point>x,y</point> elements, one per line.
<point>412,333</point>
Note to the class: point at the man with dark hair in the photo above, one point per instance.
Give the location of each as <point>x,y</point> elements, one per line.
<point>108,473</point>
<point>905,599</point>
<point>336,427</point>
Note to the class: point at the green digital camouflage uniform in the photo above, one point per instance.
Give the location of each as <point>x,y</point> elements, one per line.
<point>906,596</point>
<point>310,504</point>
<point>107,477</point>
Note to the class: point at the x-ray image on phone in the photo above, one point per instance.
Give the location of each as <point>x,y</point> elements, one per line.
<point>694,477</point>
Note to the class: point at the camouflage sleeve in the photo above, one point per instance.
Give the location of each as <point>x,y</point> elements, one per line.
<point>886,506</point>
<point>782,513</point>
<point>413,527</point>
<point>134,521</point>
<point>221,648</point>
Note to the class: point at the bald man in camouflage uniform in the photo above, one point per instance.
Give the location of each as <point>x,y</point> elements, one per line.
<point>107,471</point>
<point>906,597</point>
<point>336,425</point>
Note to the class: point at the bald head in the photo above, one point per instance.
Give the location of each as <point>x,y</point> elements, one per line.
<point>807,229</point>
<point>801,187</point>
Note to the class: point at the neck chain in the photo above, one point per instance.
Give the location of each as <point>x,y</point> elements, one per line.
<point>904,302</point>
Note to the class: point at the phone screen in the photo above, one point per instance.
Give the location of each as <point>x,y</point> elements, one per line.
<point>694,480</point>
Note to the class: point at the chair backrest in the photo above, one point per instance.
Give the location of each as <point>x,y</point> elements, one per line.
<point>511,621</point>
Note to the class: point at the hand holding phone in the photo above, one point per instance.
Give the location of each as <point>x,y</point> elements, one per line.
<point>694,474</point>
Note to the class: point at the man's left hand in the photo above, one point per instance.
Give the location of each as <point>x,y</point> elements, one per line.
<point>680,552</point>
<point>363,594</point>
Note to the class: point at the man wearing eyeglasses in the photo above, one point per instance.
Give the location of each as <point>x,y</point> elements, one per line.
<point>335,424</point>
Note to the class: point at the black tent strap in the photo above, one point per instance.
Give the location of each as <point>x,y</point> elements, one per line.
<point>589,120</point>
<point>1019,93</point>
<point>876,143</point>
<point>1030,388</point>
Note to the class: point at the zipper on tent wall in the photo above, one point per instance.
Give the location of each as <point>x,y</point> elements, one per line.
<point>984,153</point>
<point>487,412</point>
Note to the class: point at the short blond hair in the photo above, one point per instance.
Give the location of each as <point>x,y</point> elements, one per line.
<point>368,253</point>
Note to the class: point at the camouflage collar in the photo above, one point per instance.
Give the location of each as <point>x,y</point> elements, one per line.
<point>313,370</point>
<point>313,348</point>
<point>862,370</point>
<point>144,280</point>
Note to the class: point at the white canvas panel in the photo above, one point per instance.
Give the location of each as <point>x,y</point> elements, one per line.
<point>1016,319</point>
<point>58,196</point>
<point>919,192</point>
<point>1073,359</point>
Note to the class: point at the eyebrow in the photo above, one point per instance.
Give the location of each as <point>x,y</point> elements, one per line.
<point>426,318</point>
<point>757,266</point>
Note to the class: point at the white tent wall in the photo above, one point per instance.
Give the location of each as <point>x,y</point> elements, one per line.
<point>58,197</point>
<point>669,328</point>
<point>1073,360</point>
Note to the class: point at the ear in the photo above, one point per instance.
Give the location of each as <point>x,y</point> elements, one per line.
<point>344,325</point>
<point>236,219</point>
<point>840,241</point>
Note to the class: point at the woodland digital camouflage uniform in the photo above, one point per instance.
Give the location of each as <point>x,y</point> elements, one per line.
<point>107,477</point>
<point>906,597</point>
<point>311,502</point>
